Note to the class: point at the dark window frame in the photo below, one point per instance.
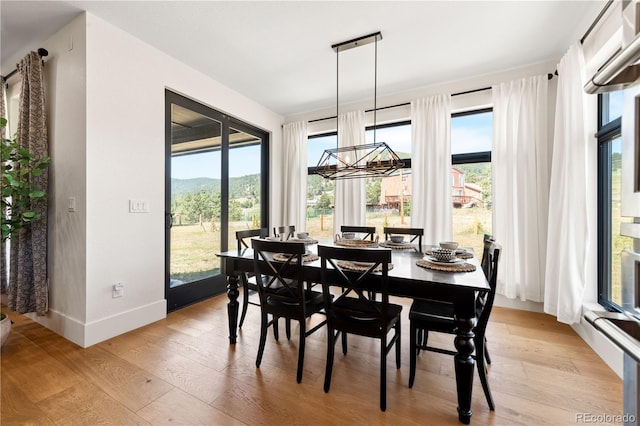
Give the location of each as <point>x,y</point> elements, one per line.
<point>466,158</point>
<point>607,132</point>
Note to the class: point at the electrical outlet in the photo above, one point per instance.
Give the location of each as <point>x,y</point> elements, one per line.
<point>118,290</point>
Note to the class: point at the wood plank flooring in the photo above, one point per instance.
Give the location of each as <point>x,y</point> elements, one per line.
<point>182,371</point>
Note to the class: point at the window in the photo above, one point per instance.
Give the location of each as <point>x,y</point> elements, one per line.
<point>610,242</point>
<point>471,141</point>
<point>320,191</point>
<point>389,198</point>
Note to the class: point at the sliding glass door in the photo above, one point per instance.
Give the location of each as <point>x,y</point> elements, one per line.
<point>216,183</point>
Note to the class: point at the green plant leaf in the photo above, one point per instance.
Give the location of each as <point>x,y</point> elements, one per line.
<point>37,194</point>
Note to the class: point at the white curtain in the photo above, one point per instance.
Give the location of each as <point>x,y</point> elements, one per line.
<point>294,175</point>
<point>520,180</point>
<point>431,203</point>
<point>572,194</point>
<point>350,207</point>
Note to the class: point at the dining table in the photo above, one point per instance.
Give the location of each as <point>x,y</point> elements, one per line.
<point>406,279</point>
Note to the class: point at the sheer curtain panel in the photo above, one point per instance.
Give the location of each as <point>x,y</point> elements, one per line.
<point>520,169</point>
<point>431,203</point>
<point>28,291</point>
<point>294,175</point>
<point>350,208</point>
<point>572,204</point>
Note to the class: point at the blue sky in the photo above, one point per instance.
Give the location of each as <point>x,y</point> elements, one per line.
<point>469,133</point>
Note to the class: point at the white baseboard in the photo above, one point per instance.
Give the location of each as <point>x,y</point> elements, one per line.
<point>103,329</point>
<point>527,305</point>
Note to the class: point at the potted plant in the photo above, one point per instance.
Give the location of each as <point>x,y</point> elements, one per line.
<point>20,194</point>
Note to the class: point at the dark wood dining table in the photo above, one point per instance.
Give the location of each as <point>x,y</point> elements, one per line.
<point>406,279</point>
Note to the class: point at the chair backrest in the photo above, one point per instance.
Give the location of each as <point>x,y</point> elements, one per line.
<point>484,263</point>
<point>352,283</point>
<point>493,256</point>
<point>242,236</point>
<point>278,280</point>
<point>415,233</point>
<point>285,231</point>
<point>369,231</point>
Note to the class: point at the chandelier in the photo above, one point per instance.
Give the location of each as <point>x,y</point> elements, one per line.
<point>359,161</point>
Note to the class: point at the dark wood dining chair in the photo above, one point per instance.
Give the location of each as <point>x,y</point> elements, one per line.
<point>282,292</point>
<point>353,312</point>
<point>414,233</point>
<point>286,231</point>
<point>248,281</point>
<point>426,316</point>
<point>485,263</point>
<point>368,231</point>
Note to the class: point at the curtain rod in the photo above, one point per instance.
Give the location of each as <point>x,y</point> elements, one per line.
<point>595,21</point>
<point>549,77</point>
<point>42,52</point>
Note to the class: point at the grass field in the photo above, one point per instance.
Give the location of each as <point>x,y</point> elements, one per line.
<point>194,246</point>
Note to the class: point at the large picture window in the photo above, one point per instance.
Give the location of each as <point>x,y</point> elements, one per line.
<point>610,242</point>
<point>389,198</point>
<point>471,142</point>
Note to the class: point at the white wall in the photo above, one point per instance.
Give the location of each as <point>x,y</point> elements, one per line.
<point>108,146</point>
<point>65,87</point>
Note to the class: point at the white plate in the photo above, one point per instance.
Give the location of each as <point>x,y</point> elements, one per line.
<point>433,259</point>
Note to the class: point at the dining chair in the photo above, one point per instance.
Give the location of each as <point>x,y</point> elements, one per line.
<point>248,281</point>
<point>425,316</point>
<point>485,264</point>
<point>285,231</point>
<point>352,311</point>
<point>368,231</point>
<point>282,292</point>
<point>414,233</point>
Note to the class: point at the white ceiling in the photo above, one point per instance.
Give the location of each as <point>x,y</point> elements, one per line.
<point>279,53</point>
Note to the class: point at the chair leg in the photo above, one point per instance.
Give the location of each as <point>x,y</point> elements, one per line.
<point>486,351</point>
<point>344,342</point>
<point>245,305</point>
<point>413,352</point>
<point>398,346</point>
<point>276,330</point>
<point>301,343</point>
<point>331,341</point>
<point>287,328</point>
<point>482,371</point>
<point>383,372</point>
<point>263,338</point>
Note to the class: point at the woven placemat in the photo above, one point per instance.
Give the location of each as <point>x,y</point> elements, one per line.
<point>306,241</point>
<point>451,267</point>
<point>309,257</point>
<point>356,243</point>
<point>460,255</point>
<point>397,246</point>
<point>360,266</point>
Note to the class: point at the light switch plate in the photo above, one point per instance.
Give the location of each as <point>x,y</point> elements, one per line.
<point>138,206</point>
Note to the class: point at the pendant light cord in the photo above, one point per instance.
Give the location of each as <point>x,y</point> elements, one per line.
<point>375,88</point>
<point>337,94</point>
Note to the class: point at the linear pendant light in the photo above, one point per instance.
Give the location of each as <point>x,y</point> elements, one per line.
<point>360,161</point>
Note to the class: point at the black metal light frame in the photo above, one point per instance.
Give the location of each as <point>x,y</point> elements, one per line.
<point>359,161</point>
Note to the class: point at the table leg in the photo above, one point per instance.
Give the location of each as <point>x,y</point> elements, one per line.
<point>464,364</point>
<point>232,307</point>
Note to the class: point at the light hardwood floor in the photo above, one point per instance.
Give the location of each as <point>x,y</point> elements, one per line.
<point>182,371</point>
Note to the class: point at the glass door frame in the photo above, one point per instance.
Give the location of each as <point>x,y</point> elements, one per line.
<point>196,291</point>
